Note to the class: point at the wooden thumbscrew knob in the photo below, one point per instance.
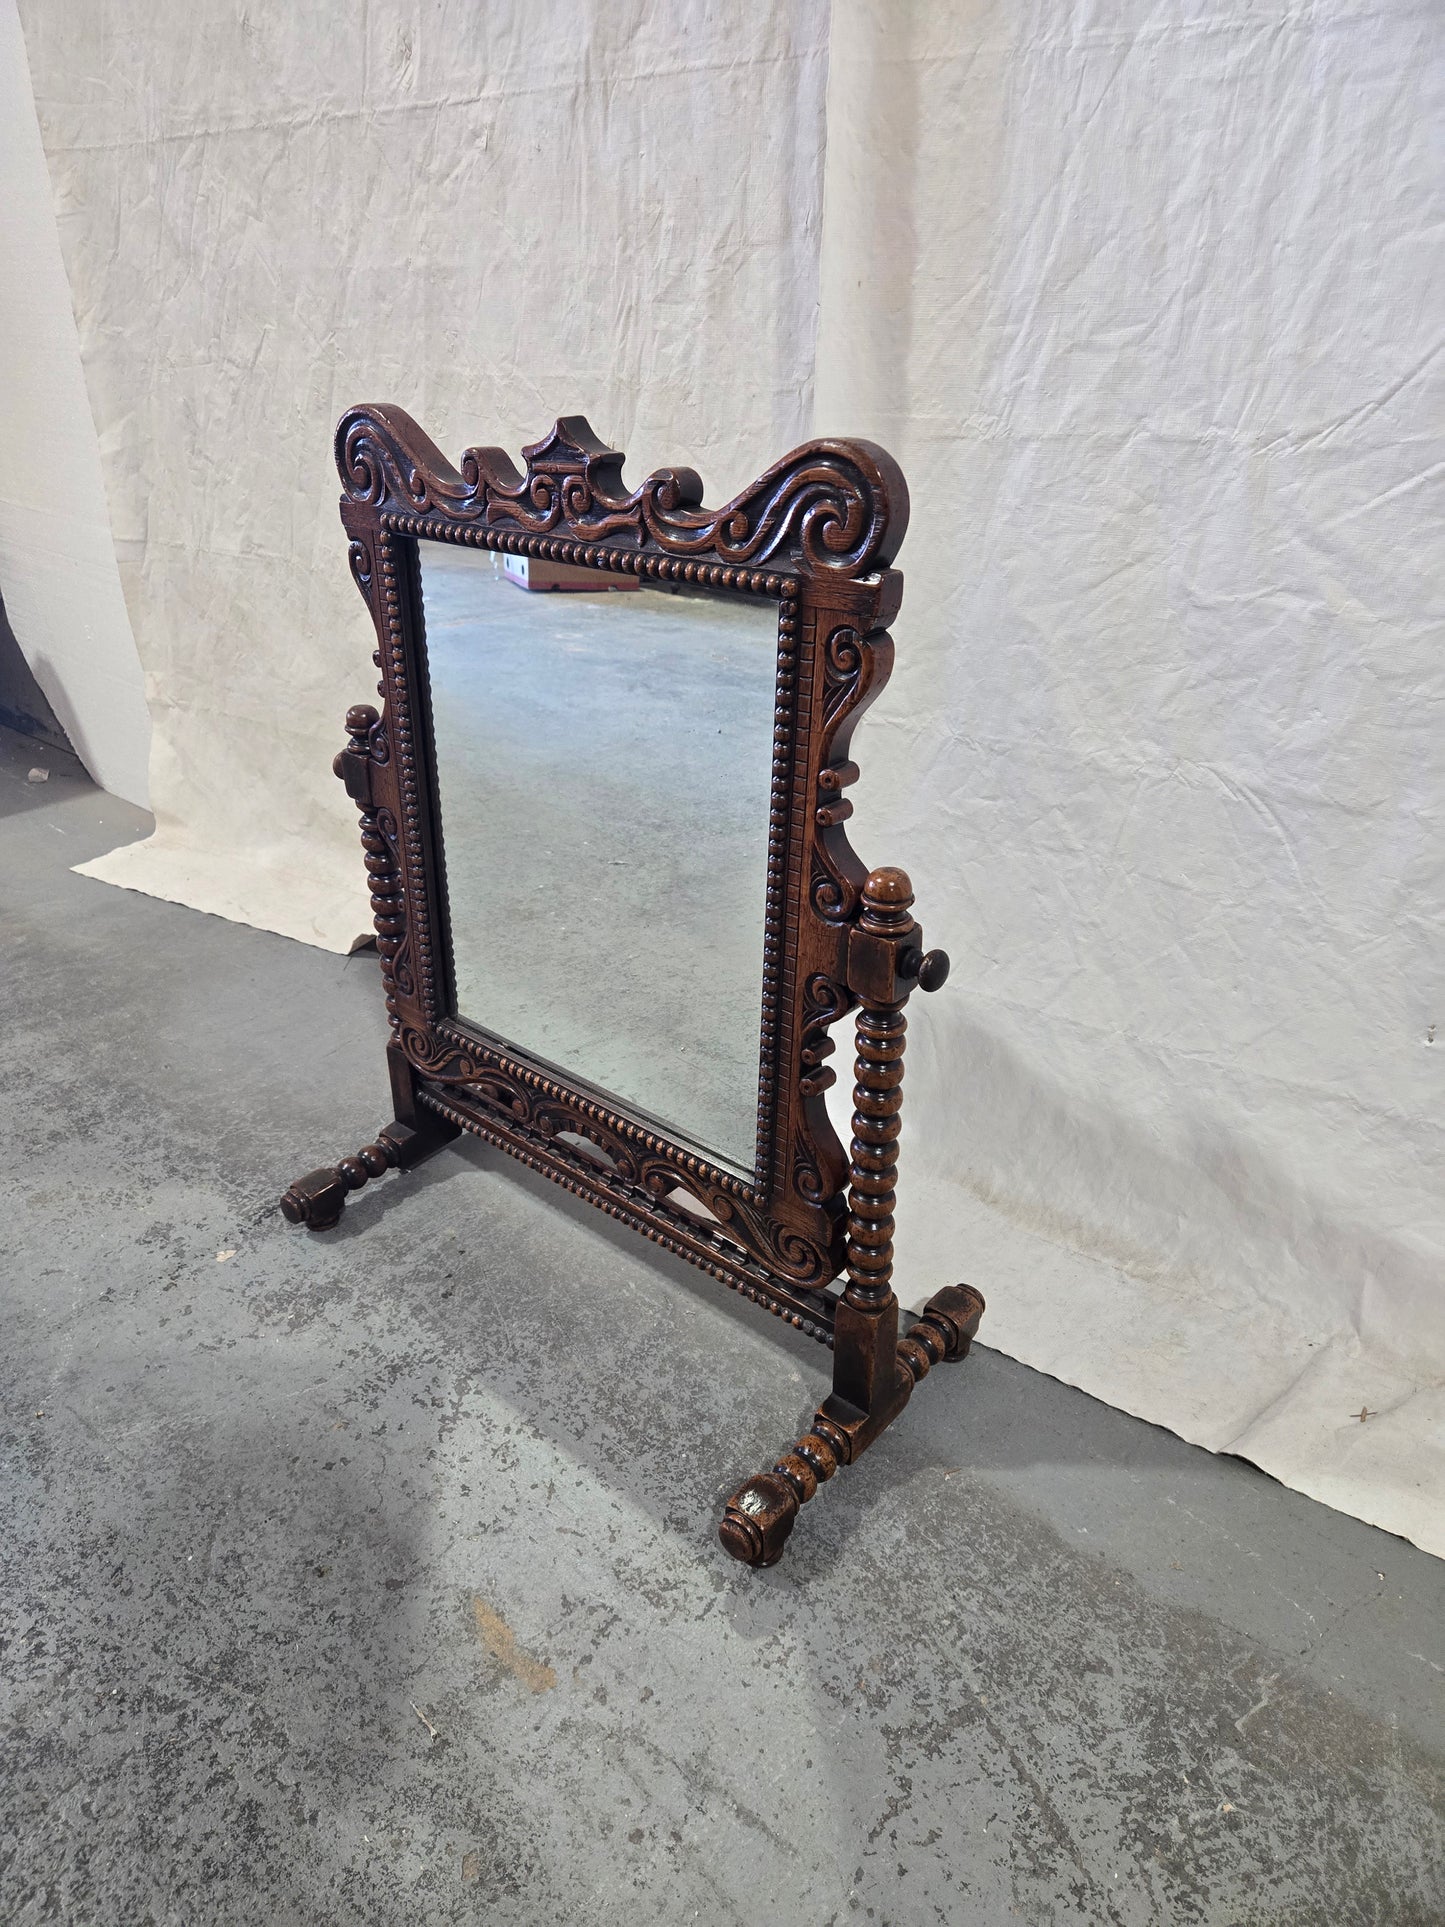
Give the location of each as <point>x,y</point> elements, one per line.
<point>929,967</point>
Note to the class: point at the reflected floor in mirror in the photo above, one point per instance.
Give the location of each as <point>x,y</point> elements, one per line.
<point>604,760</point>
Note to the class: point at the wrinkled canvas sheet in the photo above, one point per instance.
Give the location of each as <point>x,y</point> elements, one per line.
<point>1147,317</point>
<point>491,215</point>
<point>1141,301</point>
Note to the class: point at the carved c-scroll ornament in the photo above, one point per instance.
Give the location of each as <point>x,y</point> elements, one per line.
<point>839,507</point>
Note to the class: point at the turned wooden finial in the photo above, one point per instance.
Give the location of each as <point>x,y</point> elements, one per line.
<point>361,719</point>
<point>887,900</point>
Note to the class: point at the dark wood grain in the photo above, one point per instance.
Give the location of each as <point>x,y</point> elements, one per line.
<point>816,536</point>
<point>874,1373</point>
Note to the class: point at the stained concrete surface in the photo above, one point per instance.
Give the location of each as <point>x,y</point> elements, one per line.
<point>370,1577</point>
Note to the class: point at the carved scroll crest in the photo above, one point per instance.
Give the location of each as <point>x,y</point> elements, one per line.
<point>831,507</point>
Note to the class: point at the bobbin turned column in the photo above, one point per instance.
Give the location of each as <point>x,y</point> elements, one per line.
<point>868,1389</point>
<point>873,1371</point>
<point>318,1199</point>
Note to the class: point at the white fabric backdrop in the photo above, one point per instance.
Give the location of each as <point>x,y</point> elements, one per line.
<point>492,216</point>
<point>1139,299</point>
<point>57,560</point>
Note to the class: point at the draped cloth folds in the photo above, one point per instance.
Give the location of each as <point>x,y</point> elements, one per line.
<point>1138,298</point>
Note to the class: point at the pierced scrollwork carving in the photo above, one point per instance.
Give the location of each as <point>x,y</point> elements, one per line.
<point>504,1092</point>
<point>834,508</point>
<point>807,1180</point>
<point>834,897</point>
<point>842,669</point>
<point>729,1264</point>
<point>824,1002</point>
<point>541,1111</point>
<point>850,662</point>
<point>437,1057</point>
<point>388,903</point>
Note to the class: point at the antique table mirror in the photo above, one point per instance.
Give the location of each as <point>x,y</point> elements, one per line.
<point>602,809</point>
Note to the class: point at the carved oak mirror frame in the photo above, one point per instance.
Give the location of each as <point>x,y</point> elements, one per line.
<point>815,535</point>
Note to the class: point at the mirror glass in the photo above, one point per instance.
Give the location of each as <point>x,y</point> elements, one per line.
<point>603,764</point>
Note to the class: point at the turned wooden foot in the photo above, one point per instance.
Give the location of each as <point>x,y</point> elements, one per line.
<point>761,1513</point>
<point>318,1199</point>
<point>945,1331</point>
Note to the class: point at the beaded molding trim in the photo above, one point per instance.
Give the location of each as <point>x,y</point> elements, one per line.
<point>783,804</point>
<point>703,1248</point>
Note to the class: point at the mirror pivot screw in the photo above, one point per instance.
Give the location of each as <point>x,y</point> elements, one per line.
<point>933,970</point>
<point>929,969</point>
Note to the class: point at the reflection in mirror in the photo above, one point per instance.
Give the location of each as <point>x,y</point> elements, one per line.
<point>604,758</point>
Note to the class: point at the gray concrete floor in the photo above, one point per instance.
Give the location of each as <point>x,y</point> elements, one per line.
<point>370,1577</point>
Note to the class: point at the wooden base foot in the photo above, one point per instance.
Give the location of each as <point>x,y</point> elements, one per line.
<point>318,1199</point>
<point>761,1513</point>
